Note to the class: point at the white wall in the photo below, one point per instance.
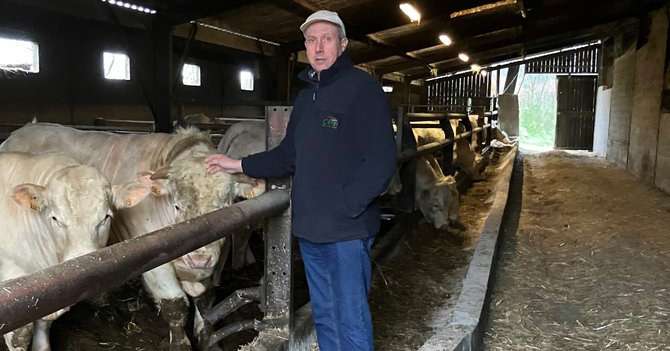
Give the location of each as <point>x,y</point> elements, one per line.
<point>601,128</point>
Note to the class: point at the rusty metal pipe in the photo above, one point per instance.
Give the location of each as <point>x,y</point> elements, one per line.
<point>233,328</point>
<point>423,150</point>
<point>433,116</point>
<point>426,125</point>
<point>31,297</point>
<point>231,303</point>
<point>432,147</point>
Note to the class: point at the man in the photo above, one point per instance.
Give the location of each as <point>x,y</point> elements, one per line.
<point>339,148</point>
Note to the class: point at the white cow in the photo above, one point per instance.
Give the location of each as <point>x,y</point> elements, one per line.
<point>182,190</point>
<point>435,194</point>
<point>53,209</point>
<point>502,138</point>
<point>465,158</point>
<point>240,140</point>
<point>474,145</point>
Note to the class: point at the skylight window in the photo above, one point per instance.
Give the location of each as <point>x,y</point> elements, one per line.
<point>19,55</point>
<point>116,66</point>
<point>190,75</point>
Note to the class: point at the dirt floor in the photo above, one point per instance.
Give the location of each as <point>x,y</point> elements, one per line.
<point>424,276</point>
<point>589,267</point>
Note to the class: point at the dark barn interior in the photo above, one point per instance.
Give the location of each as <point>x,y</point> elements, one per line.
<point>609,62</point>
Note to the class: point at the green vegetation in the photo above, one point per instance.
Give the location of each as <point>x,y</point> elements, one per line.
<point>537,110</point>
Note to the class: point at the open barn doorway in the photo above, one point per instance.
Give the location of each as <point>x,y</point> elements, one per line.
<point>557,111</point>
<point>557,98</point>
<point>537,111</point>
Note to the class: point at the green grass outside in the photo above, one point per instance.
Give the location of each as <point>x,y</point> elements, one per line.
<point>537,110</point>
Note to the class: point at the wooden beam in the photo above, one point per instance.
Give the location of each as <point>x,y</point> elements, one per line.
<point>217,37</point>
<point>501,5</point>
<point>463,29</point>
<point>519,49</point>
<point>202,9</point>
<point>161,87</point>
<point>483,33</point>
<point>85,9</point>
<point>534,30</point>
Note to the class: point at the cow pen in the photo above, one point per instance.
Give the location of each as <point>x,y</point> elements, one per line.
<point>527,210</point>
<point>284,326</point>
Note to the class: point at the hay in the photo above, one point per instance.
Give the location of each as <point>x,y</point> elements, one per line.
<point>588,267</point>
<point>411,289</point>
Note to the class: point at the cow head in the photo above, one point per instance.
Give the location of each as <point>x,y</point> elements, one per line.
<point>439,203</point>
<point>433,205</point>
<point>192,192</point>
<point>77,205</point>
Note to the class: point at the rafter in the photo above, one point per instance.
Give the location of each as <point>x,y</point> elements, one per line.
<point>522,48</point>
<point>201,9</point>
<point>533,30</point>
<point>462,29</point>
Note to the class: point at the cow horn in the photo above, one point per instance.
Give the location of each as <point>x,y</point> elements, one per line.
<point>242,178</point>
<point>185,144</point>
<point>161,173</point>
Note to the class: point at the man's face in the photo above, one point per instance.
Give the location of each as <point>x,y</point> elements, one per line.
<point>323,45</point>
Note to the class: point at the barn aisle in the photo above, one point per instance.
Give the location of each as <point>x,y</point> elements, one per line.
<point>588,268</point>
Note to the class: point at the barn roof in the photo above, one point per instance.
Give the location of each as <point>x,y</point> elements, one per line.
<point>385,40</point>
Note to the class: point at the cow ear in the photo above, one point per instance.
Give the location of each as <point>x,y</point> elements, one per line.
<point>159,188</point>
<point>130,194</point>
<point>157,185</point>
<point>30,196</point>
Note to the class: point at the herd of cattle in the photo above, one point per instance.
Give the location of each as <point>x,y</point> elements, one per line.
<point>84,189</point>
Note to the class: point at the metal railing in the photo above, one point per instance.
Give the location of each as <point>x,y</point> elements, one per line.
<point>25,299</point>
<point>31,297</point>
<point>28,298</point>
<point>441,116</point>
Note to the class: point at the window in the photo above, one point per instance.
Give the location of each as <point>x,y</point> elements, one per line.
<point>116,66</point>
<point>190,75</point>
<point>246,80</point>
<point>19,55</point>
<point>387,88</point>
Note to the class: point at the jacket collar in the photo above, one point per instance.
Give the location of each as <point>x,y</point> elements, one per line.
<point>328,75</point>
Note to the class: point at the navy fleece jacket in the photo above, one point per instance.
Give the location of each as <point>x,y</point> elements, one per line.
<point>339,147</point>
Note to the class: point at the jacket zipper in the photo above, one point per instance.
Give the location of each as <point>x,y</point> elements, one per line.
<point>316,90</point>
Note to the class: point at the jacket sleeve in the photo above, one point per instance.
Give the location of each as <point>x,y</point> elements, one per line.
<point>276,163</point>
<point>375,137</point>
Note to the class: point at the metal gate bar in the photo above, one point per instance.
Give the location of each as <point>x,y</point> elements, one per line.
<point>25,299</point>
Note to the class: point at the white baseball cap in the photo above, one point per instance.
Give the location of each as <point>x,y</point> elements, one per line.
<point>324,15</point>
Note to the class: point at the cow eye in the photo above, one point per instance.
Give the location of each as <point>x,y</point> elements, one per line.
<point>176,207</point>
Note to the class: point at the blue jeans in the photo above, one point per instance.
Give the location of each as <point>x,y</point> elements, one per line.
<point>338,277</point>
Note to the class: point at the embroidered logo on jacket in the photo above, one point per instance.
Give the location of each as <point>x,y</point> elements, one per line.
<point>329,122</point>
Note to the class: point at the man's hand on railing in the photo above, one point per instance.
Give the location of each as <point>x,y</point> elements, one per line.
<point>222,163</point>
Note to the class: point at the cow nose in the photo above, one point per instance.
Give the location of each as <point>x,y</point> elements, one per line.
<point>199,261</point>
